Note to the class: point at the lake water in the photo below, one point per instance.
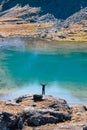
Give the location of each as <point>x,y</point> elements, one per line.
<point>26,62</point>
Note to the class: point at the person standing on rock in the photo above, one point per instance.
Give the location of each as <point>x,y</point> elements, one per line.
<point>43,88</point>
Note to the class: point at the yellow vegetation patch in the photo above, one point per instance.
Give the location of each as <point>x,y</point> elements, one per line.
<point>21,29</point>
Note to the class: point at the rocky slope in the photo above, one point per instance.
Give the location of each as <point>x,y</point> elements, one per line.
<point>77,17</point>
<point>61,9</point>
<point>58,9</point>
<point>74,28</point>
<point>67,19</point>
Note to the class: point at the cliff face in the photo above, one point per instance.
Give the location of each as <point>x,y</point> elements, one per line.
<point>61,9</point>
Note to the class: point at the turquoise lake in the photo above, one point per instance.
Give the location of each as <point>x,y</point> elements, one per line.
<point>26,62</point>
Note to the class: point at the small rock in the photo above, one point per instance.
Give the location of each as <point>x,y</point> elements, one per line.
<point>62,36</point>
<point>19,100</point>
<point>43,35</point>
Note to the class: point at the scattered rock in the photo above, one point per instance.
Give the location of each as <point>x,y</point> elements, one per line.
<point>43,35</point>
<point>62,36</point>
<point>20,99</point>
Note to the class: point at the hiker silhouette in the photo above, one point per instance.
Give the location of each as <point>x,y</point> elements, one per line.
<point>43,88</point>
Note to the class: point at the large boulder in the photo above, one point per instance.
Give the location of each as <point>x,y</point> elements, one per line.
<point>34,110</point>
<point>37,97</point>
<point>7,120</point>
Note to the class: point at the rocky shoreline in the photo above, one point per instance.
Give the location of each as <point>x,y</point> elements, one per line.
<point>39,112</point>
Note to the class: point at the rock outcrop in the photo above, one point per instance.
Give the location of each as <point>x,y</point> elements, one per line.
<point>61,9</point>
<point>55,19</point>
<point>40,10</point>
<point>25,113</point>
<point>26,110</point>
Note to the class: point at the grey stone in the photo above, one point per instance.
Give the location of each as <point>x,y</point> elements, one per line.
<point>37,97</point>
<point>43,35</point>
<point>59,115</point>
<point>85,127</point>
<point>39,119</point>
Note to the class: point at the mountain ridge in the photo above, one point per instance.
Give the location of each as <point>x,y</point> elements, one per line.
<point>61,9</point>
<point>59,20</point>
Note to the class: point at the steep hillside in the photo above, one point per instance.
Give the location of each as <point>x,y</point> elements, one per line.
<point>61,9</point>
<point>26,14</point>
<point>61,20</point>
<point>78,16</point>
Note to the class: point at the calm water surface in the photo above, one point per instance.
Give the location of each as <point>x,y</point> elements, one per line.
<point>25,63</point>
